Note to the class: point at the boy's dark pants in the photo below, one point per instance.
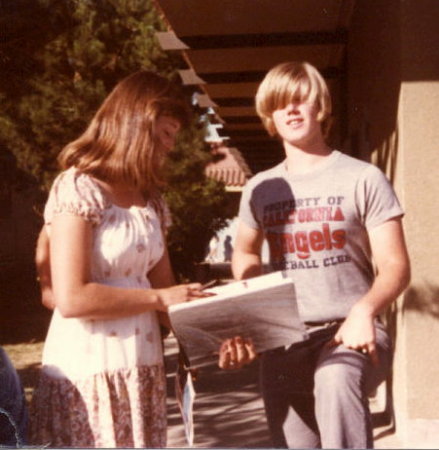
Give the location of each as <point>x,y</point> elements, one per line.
<point>317,396</point>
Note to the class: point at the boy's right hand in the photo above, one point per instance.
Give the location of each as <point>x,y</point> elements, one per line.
<point>236,353</point>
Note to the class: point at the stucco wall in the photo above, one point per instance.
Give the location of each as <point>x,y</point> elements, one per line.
<point>420,137</point>
<point>419,114</point>
<point>393,115</point>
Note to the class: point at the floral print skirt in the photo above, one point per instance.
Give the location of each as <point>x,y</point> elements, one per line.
<point>125,408</point>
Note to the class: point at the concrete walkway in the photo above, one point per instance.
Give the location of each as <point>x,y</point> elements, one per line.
<point>228,410</point>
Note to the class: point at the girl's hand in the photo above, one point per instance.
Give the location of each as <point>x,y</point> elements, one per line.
<point>178,294</point>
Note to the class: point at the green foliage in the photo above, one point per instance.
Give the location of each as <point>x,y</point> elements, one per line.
<point>198,204</point>
<point>55,73</point>
<point>82,48</point>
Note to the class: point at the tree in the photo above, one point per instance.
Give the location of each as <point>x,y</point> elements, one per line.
<point>75,51</point>
<point>198,204</point>
<point>84,47</point>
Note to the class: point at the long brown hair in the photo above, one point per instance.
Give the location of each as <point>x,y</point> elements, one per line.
<point>119,145</point>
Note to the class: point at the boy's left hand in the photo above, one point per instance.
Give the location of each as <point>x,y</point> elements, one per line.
<point>357,332</point>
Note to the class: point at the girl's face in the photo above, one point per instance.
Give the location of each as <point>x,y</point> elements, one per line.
<point>166,130</point>
<point>297,123</point>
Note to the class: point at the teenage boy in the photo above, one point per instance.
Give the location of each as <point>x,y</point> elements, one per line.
<point>335,222</point>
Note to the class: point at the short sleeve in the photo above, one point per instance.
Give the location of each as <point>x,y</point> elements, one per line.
<point>163,212</point>
<point>377,198</point>
<point>77,194</point>
<point>166,221</point>
<point>246,209</point>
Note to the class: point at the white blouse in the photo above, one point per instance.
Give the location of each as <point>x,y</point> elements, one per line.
<point>127,243</point>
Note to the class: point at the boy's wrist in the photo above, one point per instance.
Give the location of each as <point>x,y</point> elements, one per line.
<point>363,308</point>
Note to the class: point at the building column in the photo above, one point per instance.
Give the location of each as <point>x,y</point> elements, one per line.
<point>416,373</point>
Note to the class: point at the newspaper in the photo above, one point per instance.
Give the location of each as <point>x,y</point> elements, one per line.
<point>263,308</point>
<point>185,395</point>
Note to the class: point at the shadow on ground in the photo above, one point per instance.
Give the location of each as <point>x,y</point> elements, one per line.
<point>22,317</point>
<point>228,410</point>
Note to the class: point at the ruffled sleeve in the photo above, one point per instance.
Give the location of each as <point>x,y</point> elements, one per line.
<point>166,219</point>
<point>161,208</point>
<point>77,194</point>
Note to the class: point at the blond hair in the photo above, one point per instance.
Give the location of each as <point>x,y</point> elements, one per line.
<point>119,145</point>
<point>293,81</point>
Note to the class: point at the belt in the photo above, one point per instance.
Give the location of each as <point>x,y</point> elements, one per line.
<point>322,324</point>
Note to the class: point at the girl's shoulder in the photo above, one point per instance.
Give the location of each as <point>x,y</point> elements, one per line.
<point>77,193</point>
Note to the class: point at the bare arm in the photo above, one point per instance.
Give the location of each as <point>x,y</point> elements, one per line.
<point>162,276</point>
<point>77,296</point>
<point>42,263</point>
<point>393,275</point>
<point>246,263</point>
<point>246,259</point>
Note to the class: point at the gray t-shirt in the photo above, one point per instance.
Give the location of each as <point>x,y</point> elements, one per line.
<point>316,226</point>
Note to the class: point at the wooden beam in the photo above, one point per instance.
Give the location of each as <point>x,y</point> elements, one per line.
<point>236,133</point>
<point>262,153</point>
<point>255,144</point>
<point>257,75</point>
<point>232,120</point>
<point>339,36</point>
<point>235,101</point>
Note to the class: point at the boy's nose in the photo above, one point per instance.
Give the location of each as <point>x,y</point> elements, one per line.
<point>292,107</point>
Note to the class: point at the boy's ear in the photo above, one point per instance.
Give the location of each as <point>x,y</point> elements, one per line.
<point>270,127</point>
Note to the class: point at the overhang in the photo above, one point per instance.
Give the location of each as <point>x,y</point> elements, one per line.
<point>228,167</point>
<point>229,45</point>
